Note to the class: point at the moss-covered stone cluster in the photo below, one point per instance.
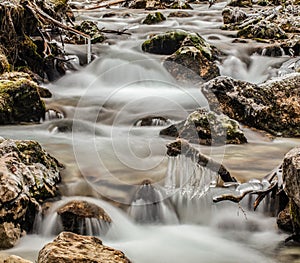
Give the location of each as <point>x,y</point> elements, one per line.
<point>191,56</point>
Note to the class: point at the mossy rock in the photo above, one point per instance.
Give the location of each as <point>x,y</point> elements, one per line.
<point>233,15</point>
<point>208,128</point>
<point>89,28</point>
<point>20,102</point>
<point>155,18</point>
<point>262,30</point>
<point>272,106</point>
<point>165,43</point>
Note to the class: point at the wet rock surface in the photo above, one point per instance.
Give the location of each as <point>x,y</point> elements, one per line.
<point>29,175</point>
<point>277,27</point>
<point>191,56</point>
<point>154,18</point>
<point>19,99</point>
<point>272,106</point>
<point>84,218</point>
<point>70,247</point>
<point>207,128</point>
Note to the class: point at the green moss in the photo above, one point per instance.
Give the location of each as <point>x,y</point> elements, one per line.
<point>166,43</point>
<point>155,18</point>
<point>20,102</point>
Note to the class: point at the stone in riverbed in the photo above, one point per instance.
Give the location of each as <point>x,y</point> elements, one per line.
<point>188,63</point>
<point>262,30</point>
<point>154,18</point>
<point>28,176</point>
<point>192,57</point>
<point>69,247</point>
<point>14,259</point>
<point>165,43</point>
<point>9,235</point>
<point>208,128</point>
<point>273,106</point>
<point>74,216</point>
<point>20,101</point>
<point>233,15</point>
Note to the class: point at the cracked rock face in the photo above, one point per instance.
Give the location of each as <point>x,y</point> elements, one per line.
<point>28,176</point>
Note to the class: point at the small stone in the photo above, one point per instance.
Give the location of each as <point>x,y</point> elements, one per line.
<point>155,18</point>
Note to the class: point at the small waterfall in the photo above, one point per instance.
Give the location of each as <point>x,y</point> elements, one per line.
<point>150,206</point>
<point>188,177</point>
<point>52,223</point>
<point>53,115</point>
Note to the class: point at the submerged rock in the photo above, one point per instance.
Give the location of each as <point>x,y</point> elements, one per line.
<point>20,101</point>
<point>180,14</point>
<point>81,217</point>
<point>70,247</point>
<point>29,175</point>
<point>208,128</point>
<point>272,106</point>
<point>15,259</point>
<point>154,18</point>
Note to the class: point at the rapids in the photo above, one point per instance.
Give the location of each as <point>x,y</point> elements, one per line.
<point>105,154</point>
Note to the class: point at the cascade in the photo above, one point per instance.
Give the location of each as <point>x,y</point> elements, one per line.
<point>188,177</point>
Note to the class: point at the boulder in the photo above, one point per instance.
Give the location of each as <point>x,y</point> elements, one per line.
<point>84,218</point>
<point>154,18</point>
<point>9,235</point>
<point>232,15</point>
<point>165,43</point>
<point>208,128</point>
<point>291,177</point>
<point>189,62</point>
<point>191,56</point>
<point>68,247</point>
<point>272,106</point>
<point>89,28</point>
<point>20,101</point>
<point>262,30</point>
<point>29,175</point>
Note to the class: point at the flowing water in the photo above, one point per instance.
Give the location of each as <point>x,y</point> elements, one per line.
<point>90,128</point>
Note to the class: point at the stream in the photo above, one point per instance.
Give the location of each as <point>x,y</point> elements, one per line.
<point>106,155</point>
